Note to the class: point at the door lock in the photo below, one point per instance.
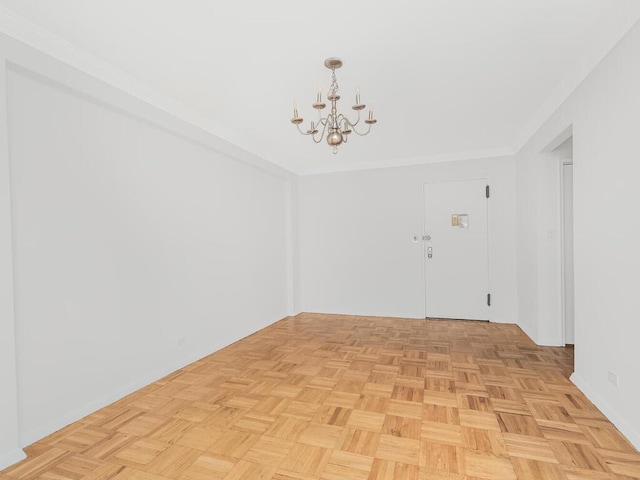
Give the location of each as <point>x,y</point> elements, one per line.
<point>429,252</point>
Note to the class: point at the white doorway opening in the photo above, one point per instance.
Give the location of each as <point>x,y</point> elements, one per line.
<point>564,154</point>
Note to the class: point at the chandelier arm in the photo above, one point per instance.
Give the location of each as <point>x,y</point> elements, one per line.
<point>313,135</point>
<point>302,132</point>
<point>353,129</point>
<point>353,124</point>
<point>324,128</point>
<point>347,123</point>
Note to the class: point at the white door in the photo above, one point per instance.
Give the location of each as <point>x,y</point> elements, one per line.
<point>457,267</point>
<point>567,214</point>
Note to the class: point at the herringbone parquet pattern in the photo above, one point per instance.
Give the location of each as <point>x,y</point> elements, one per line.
<point>319,397</point>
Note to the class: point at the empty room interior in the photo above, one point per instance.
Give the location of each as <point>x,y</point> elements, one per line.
<point>341,241</point>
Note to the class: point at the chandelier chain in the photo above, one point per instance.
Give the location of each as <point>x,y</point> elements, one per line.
<point>333,89</point>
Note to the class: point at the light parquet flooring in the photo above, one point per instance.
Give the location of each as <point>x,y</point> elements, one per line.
<point>326,397</point>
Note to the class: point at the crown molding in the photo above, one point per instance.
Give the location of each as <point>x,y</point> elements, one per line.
<point>600,46</point>
<point>408,161</point>
<point>45,42</point>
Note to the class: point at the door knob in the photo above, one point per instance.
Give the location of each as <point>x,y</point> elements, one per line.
<point>429,252</point>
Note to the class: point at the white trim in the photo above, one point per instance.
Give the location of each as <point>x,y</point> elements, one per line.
<point>71,416</point>
<point>563,294</point>
<point>62,77</point>
<point>423,256</point>
<point>9,414</point>
<point>487,199</point>
<point>11,457</point>
<point>559,139</point>
<point>408,161</point>
<point>45,43</point>
<point>601,45</point>
<point>549,152</point>
<point>608,410</point>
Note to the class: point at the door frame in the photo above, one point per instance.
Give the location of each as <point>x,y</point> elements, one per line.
<point>423,209</point>
<point>563,293</point>
<point>553,152</point>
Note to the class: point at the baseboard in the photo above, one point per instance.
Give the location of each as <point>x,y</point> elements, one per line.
<point>608,410</point>
<point>81,411</point>
<point>73,415</point>
<point>9,458</point>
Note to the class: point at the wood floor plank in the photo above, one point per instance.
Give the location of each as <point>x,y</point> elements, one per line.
<point>331,397</point>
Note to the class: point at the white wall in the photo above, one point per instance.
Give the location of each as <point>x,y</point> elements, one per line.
<point>140,244</point>
<point>356,231</point>
<point>10,451</point>
<point>604,115</point>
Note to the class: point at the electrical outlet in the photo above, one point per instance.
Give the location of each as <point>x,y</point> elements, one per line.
<point>613,379</point>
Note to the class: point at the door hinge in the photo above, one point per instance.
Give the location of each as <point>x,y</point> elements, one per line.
<point>486,191</point>
<point>489,299</point>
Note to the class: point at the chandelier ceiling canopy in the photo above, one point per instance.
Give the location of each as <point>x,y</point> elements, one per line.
<point>335,127</point>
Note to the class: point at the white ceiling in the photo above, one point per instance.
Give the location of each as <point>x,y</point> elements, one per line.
<point>449,78</point>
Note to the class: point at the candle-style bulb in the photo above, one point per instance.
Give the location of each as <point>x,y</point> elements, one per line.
<point>358,95</point>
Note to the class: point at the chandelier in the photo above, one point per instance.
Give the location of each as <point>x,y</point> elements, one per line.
<point>336,126</point>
